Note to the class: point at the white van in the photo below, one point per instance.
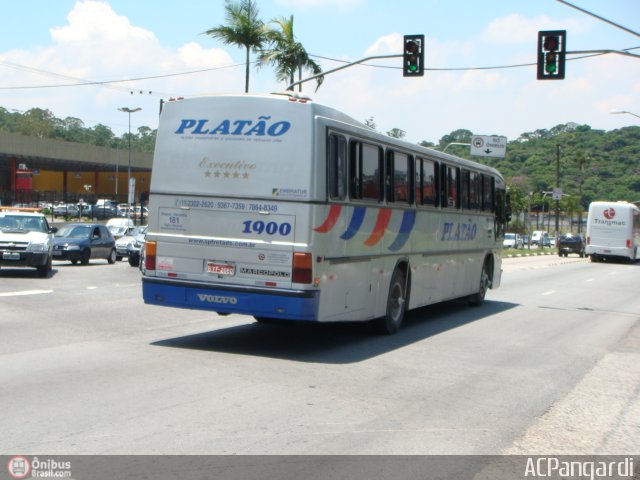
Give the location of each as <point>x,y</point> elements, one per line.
<point>512,240</point>
<point>613,230</point>
<point>537,237</point>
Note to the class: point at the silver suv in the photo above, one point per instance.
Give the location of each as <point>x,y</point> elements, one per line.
<point>26,240</point>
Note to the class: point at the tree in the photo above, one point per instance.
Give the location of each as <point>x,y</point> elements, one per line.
<point>396,133</point>
<point>371,123</point>
<point>36,122</point>
<point>102,135</point>
<point>243,29</point>
<point>287,55</point>
<point>457,136</point>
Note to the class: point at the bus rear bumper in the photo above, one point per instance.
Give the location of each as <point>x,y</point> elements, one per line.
<point>287,305</point>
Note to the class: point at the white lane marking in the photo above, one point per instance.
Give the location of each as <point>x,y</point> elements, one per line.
<point>25,292</point>
<point>589,280</point>
<point>550,292</point>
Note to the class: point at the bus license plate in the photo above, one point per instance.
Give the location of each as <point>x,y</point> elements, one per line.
<point>10,256</point>
<point>221,268</point>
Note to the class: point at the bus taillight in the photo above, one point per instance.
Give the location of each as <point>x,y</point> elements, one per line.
<point>302,268</point>
<point>150,255</point>
<point>628,243</point>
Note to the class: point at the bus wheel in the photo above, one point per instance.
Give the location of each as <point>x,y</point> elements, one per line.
<point>396,305</point>
<point>477,299</point>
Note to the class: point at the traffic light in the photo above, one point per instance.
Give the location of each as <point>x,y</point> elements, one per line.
<point>552,49</point>
<point>413,56</point>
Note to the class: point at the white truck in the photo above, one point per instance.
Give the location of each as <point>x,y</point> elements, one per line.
<point>613,231</point>
<point>26,239</point>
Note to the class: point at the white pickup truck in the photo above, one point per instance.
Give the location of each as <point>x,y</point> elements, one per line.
<point>26,240</point>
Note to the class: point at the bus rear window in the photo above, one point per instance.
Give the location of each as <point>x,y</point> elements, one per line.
<point>337,161</point>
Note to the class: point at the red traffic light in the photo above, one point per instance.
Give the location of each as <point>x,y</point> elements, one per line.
<point>411,47</point>
<point>551,43</point>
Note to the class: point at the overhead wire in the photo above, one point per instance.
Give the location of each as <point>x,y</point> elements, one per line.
<point>113,83</point>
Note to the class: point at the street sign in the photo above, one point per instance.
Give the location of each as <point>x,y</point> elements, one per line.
<point>488,146</point>
<point>557,194</point>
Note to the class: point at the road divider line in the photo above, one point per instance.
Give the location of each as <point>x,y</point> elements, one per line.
<point>550,292</point>
<point>25,292</point>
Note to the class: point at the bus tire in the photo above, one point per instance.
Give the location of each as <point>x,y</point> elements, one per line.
<point>396,305</point>
<point>477,299</point>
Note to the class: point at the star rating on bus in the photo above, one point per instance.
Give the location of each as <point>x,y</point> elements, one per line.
<point>226,175</point>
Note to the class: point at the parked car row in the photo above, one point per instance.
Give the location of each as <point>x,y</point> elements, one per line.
<point>100,211</point>
<point>27,240</point>
<point>567,242</point>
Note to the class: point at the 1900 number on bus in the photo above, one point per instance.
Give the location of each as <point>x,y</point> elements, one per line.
<point>270,228</point>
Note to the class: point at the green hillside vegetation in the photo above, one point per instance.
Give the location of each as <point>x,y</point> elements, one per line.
<point>42,123</point>
<point>594,164</point>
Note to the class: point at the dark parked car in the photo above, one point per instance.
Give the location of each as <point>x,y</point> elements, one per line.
<point>571,243</point>
<point>66,210</point>
<point>103,212</point>
<point>80,242</point>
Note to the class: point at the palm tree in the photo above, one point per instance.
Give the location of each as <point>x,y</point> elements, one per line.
<point>287,55</point>
<point>243,29</point>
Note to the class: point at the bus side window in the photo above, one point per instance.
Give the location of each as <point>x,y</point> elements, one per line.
<point>450,187</point>
<point>464,189</point>
<point>427,188</point>
<point>398,177</point>
<point>337,163</point>
<point>503,214</point>
<point>475,189</point>
<point>488,193</point>
<point>365,171</point>
<point>418,181</point>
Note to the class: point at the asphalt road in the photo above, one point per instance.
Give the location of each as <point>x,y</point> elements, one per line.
<point>550,364</point>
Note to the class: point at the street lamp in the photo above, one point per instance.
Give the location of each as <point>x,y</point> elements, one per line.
<point>129,199</point>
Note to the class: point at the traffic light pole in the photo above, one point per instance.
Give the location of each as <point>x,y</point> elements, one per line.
<point>377,57</point>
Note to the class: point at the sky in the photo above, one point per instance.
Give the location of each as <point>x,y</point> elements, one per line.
<point>150,50</point>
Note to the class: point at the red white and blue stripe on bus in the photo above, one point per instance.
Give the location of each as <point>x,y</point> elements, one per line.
<point>382,222</point>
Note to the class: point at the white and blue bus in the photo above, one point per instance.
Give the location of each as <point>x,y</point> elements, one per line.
<point>280,208</point>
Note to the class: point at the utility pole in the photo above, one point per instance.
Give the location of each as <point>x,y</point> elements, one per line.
<point>557,188</point>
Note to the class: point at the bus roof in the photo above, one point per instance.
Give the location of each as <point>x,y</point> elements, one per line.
<point>318,110</point>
